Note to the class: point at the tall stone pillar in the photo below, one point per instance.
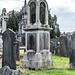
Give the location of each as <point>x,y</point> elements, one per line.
<point>37,12</point>
<point>28,16</point>
<point>3,24</point>
<point>46,16</point>
<point>38,49</point>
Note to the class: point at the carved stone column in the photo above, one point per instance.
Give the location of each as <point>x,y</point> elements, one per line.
<point>28,20</point>
<point>46,16</point>
<point>38,49</point>
<point>38,13</point>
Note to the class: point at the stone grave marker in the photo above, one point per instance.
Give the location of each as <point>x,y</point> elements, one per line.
<point>9,52</point>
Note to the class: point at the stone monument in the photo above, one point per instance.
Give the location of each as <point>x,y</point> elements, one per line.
<point>23,24</point>
<point>9,52</point>
<point>37,31</point>
<point>3,21</point>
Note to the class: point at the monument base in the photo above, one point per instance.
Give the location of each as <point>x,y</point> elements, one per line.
<point>38,60</point>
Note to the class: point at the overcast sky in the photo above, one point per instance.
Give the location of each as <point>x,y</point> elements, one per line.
<point>64,9</point>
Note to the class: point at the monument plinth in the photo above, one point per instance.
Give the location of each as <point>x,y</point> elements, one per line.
<point>37,36</point>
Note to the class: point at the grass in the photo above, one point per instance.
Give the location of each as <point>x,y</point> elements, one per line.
<point>60,67</point>
<point>19,63</point>
<point>52,72</point>
<point>60,61</point>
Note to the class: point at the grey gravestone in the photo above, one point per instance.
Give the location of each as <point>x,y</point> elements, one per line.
<point>73,41</point>
<point>57,49</point>
<point>52,47</point>
<point>7,71</point>
<point>72,51</point>
<point>72,57</point>
<point>9,53</point>
<point>17,50</point>
<point>65,45</point>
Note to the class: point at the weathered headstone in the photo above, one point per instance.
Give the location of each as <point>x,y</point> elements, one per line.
<point>65,45</point>
<point>17,50</point>
<point>7,71</point>
<point>72,51</point>
<point>9,52</point>
<point>73,41</point>
<point>53,44</point>
<point>57,49</point>
<point>72,57</point>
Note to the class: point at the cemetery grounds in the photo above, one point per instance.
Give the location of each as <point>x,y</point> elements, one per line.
<point>60,67</point>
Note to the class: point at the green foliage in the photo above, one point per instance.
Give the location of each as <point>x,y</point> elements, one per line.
<point>52,32</point>
<point>52,23</point>
<point>12,22</point>
<point>19,63</point>
<point>49,19</point>
<point>58,32</point>
<point>55,18</point>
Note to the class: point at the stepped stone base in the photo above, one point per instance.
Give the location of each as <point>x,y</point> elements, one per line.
<point>38,60</point>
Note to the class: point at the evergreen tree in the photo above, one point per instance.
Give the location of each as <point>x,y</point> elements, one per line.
<point>55,18</point>
<point>53,34</point>
<point>58,32</point>
<point>12,22</point>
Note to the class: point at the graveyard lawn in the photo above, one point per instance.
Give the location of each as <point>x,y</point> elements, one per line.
<point>52,72</point>
<point>60,62</point>
<point>60,67</point>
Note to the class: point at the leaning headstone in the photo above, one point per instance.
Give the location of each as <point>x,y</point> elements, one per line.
<point>9,53</point>
<point>7,71</point>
